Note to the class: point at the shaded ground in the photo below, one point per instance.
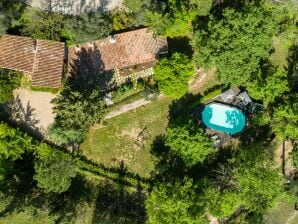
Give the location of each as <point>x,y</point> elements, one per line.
<point>128,138</point>
<point>33,107</point>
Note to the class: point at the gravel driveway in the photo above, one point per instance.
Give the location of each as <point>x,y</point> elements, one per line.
<point>33,108</point>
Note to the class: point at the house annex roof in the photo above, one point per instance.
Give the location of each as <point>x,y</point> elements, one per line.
<point>122,50</point>
<point>41,59</point>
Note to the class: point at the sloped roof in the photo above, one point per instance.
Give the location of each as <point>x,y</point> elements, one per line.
<point>41,59</point>
<point>122,50</point>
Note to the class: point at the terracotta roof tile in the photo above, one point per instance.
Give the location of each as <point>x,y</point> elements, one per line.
<point>123,50</point>
<point>41,59</point>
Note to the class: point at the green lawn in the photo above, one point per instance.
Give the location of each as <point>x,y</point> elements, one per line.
<point>114,141</point>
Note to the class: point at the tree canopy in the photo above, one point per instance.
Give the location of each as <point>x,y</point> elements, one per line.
<point>41,25</point>
<point>13,143</point>
<point>236,42</point>
<point>54,170</point>
<point>270,87</point>
<point>86,27</point>
<point>173,74</point>
<point>189,141</point>
<point>175,203</point>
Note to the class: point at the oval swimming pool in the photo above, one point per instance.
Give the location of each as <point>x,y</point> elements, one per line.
<point>225,118</point>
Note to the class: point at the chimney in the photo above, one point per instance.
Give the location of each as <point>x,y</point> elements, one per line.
<point>112,39</point>
<point>34,47</point>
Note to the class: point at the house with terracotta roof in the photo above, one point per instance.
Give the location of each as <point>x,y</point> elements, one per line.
<point>129,55</point>
<point>41,60</point>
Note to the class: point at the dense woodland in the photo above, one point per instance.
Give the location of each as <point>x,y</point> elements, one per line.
<point>43,181</point>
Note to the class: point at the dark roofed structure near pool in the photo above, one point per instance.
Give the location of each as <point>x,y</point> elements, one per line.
<point>226,114</point>
<point>41,60</point>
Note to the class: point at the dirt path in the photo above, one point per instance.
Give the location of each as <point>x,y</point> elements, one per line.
<point>127,107</point>
<point>284,163</point>
<point>292,217</point>
<point>201,80</point>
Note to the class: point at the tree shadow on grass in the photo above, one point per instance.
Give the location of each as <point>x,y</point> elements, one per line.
<point>117,204</point>
<point>168,166</point>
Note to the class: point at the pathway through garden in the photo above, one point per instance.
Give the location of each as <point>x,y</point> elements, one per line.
<point>127,107</point>
<point>292,217</point>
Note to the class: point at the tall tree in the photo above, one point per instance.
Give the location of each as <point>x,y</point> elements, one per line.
<point>41,25</point>
<point>270,87</point>
<point>173,74</point>
<point>236,42</point>
<point>222,203</point>
<point>54,170</point>
<point>86,27</point>
<point>175,203</point>
<point>189,141</point>
<point>13,143</point>
<point>285,119</point>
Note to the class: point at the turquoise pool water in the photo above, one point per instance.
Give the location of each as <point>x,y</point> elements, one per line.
<point>223,118</point>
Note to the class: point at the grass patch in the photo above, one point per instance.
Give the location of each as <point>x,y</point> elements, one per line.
<point>281,45</point>
<point>44,89</point>
<point>114,141</point>
<point>281,214</point>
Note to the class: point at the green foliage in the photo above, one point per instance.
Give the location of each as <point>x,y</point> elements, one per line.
<point>5,166</point>
<point>44,89</point>
<point>175,24</point>
<point>179,24</point>
<point>74,111</point>
<point>66,137</point>
<point>261,187</point>
<point>10,11</point>
<point>123,20</point>
<point>203,6</point>
<point>9,80</point>
<point>13,143</point>
<point>294,155</point>
<point>222,204</point>
<point>173,75</point>
<point>41,25</point>
<point>285,119</point>
<point>270,87</point>
<point>259,183</point>
<point>189,142</point>
<point>86,27</point>
<point>174,203</point>
<point>236,43</point>
<point>28,215</point>
<point>54,170</point>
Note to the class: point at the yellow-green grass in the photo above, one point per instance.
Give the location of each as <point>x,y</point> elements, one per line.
<point>282,214</point>
<point>281,45</point>
<point>114,141</point>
